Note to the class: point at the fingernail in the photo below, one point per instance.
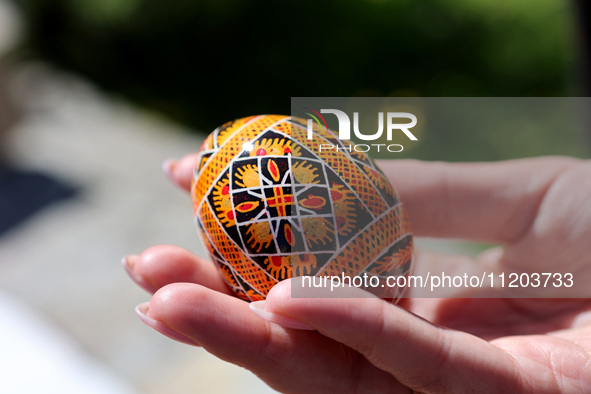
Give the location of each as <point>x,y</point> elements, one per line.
<point>168,168</point>
<point>142,311</point>
<point>258,307</point>
<point>128,262</point>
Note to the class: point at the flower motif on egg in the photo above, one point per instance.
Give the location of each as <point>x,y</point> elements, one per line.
<point>270,205</point>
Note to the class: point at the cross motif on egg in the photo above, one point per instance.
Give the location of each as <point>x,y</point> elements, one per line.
<point>269,205</point>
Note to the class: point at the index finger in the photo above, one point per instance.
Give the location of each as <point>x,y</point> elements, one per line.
<point>492,201</point>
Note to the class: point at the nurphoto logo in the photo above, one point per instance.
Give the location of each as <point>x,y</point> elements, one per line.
<point>392,120</point>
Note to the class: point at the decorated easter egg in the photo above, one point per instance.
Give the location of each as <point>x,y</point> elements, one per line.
<point>270,204</point>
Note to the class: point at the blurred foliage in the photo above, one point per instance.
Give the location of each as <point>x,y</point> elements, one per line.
<point>203,62</point>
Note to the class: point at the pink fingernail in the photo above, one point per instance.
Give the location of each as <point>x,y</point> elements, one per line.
<point>142,311</point>
<point>168,169</point>
<point>258,307</point>
<point>128,263</point>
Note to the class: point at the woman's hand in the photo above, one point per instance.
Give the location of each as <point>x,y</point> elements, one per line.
<point>538,209</point>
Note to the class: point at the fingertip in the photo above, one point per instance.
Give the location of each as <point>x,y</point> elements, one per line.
<point>170,296</point>
<point>180,172</point>
<point>167,263</point>
<point>169,169</point>
<point>209,317</point>
<point>129,264</point>
<point>161,265</point>
<point>142,311</point>
<point>172,303</point>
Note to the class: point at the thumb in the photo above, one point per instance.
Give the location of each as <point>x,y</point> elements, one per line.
<point>422,356</point>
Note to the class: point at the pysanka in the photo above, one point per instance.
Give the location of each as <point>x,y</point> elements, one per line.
<point>270,205</point>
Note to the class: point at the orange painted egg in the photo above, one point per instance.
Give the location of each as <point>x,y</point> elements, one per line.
<point>270,204</point>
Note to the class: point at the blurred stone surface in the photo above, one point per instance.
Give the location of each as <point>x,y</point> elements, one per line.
<point>64,262</point>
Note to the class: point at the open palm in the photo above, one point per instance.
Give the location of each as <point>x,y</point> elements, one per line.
<point>537,209</point>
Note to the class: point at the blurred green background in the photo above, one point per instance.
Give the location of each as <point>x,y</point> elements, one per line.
<point>204,62</point>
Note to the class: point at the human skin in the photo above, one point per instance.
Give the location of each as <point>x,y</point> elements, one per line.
<point>539,212</point>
